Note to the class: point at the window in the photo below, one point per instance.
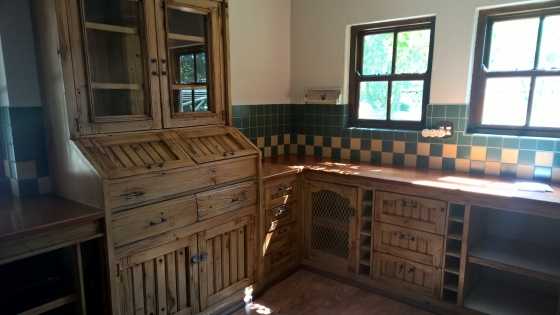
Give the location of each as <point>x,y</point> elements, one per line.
<point>516,73</point>
<point>391,66</point>
<point>191,77</point>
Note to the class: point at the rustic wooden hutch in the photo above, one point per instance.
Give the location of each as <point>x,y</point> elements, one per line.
<point>138,110</point>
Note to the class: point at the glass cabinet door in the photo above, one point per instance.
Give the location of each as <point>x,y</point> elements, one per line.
<point>121,71</point>
<point>191,51</point>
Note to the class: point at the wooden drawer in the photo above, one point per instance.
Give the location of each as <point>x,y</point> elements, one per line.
<point>410,211</point>
<point>133,191</point>
<point>218,201</point>
<point>408,274</point>
<point>280,191</point>
<point>280,238</point>
<point>422,247</point>
<point>280,261</point>
<point>280,215</point>
<point>139,223</point>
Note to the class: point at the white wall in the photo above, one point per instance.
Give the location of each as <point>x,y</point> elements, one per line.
<point>260,51</point>
<point>320,41</point>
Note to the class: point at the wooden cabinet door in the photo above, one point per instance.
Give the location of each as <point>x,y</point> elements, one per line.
<point>114,61</point>
<point>159,281</point>
<point>228,267</point>
<point>192,58</point>
<point>330,220</point>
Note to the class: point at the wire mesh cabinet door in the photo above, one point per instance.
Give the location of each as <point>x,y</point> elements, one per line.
<point>330,233</point>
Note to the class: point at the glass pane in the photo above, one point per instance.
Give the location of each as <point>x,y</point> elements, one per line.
<point>118,102</point>
<point>187,44</point>
<point>191,100</point>
<point>505,101</point>
<point>406,100</point>
<point>549,58</point>
<point>546,103</point>
<point>114,12</point>
<point>373,100</point>
<point>413,48</point>
<point>377,54</point>
<point>186,68</point>
<point>507,51</point>
<point>115,57</point>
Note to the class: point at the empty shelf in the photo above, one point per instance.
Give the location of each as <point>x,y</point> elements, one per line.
<point>518,257</point>
<point>497,299</point>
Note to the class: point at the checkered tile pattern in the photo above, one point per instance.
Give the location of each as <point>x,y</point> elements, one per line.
<point>320,131</point>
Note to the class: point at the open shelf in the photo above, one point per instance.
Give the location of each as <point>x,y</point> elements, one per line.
<point>495,298</point>
<point>111,28</point>
<point>518,257</point>
<point>51,305</point>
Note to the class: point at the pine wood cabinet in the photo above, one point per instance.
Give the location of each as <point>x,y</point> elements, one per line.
<point>142,65</point>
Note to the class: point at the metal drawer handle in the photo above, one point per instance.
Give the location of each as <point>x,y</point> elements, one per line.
<point>133,195</point>
<point>160,221</point>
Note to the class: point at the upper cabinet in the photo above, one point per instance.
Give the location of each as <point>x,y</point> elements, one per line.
<point>192,52</point>
<point>144,64</point>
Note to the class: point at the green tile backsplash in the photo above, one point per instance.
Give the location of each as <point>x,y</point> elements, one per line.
<point>321,131</point>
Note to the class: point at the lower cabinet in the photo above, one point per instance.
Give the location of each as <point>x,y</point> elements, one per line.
<point>189,275</point>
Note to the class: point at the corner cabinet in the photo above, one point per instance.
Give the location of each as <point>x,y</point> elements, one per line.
<point>143,64</point>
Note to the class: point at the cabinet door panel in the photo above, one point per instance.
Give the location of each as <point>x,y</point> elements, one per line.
<point>330,229</point>
<point>192,58</point>
<point>114,54</point>
<point>228,267</point>
<point>160,280</point>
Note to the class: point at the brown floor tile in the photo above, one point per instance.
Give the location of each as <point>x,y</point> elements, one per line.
<point>308,293</point>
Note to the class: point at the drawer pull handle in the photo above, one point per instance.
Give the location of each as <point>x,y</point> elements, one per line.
<point>280,211</point>
<point>133,195</point>
<point>160,221</point>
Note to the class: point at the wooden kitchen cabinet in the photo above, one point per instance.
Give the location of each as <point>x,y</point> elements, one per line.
<point>141,65</point>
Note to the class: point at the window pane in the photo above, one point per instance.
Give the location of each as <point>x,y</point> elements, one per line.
<point>377,54</point>
<point>186,69</point>
<point>413,48</point>
<point>549,58</point>
<point>505,101</point>
<point>546,103</point>
<point>512,46</point>
<point>373,100</point>
<point>406,100</point>
<point>201,67</point>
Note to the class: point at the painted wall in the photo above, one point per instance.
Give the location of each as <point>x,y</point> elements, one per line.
<point>320,37</point>
<point>260,51</point>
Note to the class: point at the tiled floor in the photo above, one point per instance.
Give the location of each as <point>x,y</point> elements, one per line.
<point>308,293</point>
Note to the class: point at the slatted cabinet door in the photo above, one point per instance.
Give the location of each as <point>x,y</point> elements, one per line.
<point>119,156</point>
<point>228,266</point>
<point>160,281</point>
<point>209,144</point>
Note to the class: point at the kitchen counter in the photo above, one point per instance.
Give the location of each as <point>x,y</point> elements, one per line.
<point>449,182</point>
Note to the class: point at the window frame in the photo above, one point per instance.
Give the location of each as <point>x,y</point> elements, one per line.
<point>480,74</point>
<point>357,34</point>
<point>177,72</point>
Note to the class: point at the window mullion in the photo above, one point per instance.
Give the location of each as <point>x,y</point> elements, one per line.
<point>390,81</point>
<point>533,77</point>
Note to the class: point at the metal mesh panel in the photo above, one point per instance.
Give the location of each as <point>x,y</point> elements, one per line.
<point>330,219</point>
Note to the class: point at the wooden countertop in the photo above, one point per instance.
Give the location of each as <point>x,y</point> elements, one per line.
<point>35,214</point>
<point>454,181</point>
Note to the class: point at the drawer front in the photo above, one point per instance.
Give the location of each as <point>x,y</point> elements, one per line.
<point>402,272</point>
<point>280,238</point>
<point>126,193</point>
<point>139,223</point>
<point>279,215</point>
<point>410,211</point>
<point>422,247</point>
<point>280,261</point>
<point>280,191</point>
<point>218,201</point>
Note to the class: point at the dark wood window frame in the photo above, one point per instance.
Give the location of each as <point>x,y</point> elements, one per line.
<point>357,34</point>
<point>481,74</point>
